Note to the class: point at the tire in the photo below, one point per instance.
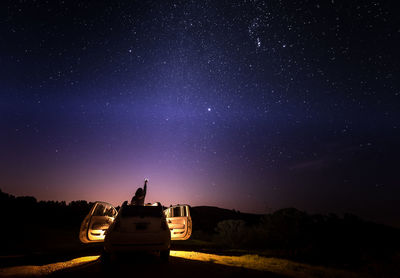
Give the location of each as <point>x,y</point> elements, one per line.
<point>105,259</point>
<point>164,255</point>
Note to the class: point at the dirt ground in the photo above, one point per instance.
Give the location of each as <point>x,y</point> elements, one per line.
<point>181,264</point>
<point>188,260</point>
<point>151,266</point>
<point>144,265</point>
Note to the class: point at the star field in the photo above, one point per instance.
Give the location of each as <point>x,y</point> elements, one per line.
<point>252,105</point>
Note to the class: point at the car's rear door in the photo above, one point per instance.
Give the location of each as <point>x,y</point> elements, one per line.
<point>96,223</point>
<point>179,221</point>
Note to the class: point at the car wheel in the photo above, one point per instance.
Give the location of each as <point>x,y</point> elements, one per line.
<point>164,255</point>
<point>105,259</point>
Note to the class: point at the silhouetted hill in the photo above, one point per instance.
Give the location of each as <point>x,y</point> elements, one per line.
<point>207,218</point>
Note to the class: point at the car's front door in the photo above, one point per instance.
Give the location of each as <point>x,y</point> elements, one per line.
<point>96,223</point>
<point>179,222</point>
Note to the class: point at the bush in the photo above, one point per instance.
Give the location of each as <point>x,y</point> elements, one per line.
<point>233,233</point>
<point>313,238</point>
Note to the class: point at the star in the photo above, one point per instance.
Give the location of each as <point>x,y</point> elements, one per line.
<point>258,42</point>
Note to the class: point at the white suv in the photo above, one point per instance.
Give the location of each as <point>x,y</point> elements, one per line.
<point>136,228</point>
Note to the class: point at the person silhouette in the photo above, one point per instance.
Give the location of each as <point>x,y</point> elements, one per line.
<point>138,199</point>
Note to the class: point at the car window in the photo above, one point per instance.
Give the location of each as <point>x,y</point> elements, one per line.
<point>179,211</point>
<point>104,210</point>
<point>168,212</point>
<point>183,211</point>
<point>142,211</point>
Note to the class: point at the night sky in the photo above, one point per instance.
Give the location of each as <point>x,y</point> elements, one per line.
<point>246,105</point>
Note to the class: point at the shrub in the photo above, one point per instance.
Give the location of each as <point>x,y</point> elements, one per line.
<point>233,233</point>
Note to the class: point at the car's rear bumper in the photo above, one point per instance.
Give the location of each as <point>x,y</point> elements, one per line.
<point>127,242</point>
<point>123,248</point>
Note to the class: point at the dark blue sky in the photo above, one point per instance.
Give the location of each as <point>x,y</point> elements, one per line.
<point>252,105</point>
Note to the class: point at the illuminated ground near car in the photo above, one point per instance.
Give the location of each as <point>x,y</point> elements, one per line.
<point>278,266</point>
<point>255,262</point>
<point>33,270</point>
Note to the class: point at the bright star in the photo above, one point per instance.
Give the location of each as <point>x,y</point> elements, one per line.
<point>258,42</point>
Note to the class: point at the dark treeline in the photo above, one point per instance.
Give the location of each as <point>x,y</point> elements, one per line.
<point>291,233</point>
<point>324,239</point>
<point>29,225</point>
<point>32,227</point>
<point>19,211</point>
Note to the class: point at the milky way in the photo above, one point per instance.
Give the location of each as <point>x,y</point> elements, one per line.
<point>252,105</point>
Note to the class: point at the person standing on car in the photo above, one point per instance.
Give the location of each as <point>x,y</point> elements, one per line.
<point>138,199</point>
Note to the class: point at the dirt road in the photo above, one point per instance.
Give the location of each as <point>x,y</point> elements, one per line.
<point>151,266</point>
<point>181,264</point>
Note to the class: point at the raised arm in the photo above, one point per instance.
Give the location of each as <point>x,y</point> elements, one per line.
<point>145,186</point>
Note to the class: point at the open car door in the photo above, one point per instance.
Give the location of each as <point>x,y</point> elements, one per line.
<point>179,222</point>
<point>96,223</point>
